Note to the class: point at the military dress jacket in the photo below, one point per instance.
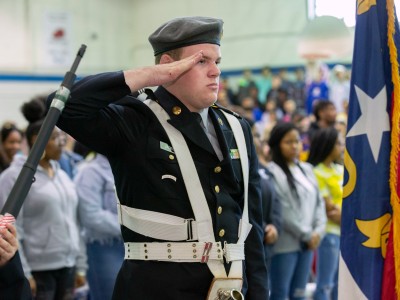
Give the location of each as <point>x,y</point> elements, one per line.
<point>13,283</point>
<point>103,115</point>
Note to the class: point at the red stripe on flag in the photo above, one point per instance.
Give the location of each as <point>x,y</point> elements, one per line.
<point>388,291</point>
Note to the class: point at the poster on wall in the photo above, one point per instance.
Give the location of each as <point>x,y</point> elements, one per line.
<point>57,31</point>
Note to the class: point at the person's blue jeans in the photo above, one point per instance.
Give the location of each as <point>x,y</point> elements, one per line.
<point>104,263</point>
<point>327,268</point>
<point>289,274</point>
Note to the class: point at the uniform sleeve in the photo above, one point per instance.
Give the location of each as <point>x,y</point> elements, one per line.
<point>13,283</point>
<point>91,115</point>
<point>266,196</point>
<point>272,209</point>
<point>256,269</point>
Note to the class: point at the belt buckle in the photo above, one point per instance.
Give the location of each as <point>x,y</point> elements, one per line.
<point>189,229</point>
<point>206,252</point>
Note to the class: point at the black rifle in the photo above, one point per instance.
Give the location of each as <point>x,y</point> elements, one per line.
<point>26,176</point>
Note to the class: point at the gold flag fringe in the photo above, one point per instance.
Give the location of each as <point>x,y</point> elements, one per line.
<point>395,143</point>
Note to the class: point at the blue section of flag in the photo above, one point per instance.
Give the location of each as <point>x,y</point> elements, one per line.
<point>370,198</point>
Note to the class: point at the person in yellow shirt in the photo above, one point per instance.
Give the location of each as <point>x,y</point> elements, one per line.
<point>327,148</point>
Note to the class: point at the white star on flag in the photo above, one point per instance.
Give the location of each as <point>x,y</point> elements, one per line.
<point>374,119</point>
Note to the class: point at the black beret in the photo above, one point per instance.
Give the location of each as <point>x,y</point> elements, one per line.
<point>181,32</point>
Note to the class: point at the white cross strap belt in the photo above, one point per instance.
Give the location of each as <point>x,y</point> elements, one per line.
<point>157,225</point>
<point>199,252</point>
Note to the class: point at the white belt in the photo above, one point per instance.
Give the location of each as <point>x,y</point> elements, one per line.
<point>184,252</point>
<point>157,225</point>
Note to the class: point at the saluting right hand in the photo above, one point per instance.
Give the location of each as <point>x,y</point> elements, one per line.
<point>160,74</point>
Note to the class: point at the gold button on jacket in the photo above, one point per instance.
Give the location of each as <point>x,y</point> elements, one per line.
<point>176,110</point>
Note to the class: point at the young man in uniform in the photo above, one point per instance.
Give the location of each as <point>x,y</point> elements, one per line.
<point>188,183</point>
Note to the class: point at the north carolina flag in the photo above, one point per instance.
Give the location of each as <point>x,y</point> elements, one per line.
<point>366,210</point>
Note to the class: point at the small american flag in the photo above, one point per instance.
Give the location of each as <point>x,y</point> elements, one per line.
<point>7,218</point>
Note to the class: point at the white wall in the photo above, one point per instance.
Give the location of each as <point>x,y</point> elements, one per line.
<point>103,25</point>
<point>14,93</point>
<point>14,36</point>
<point>256,32</point>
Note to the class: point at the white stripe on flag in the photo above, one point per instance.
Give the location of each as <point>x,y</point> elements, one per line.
<point>348,288</point>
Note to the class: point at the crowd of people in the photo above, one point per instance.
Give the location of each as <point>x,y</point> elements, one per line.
<point>299,129</point>
<point>68,229</point>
